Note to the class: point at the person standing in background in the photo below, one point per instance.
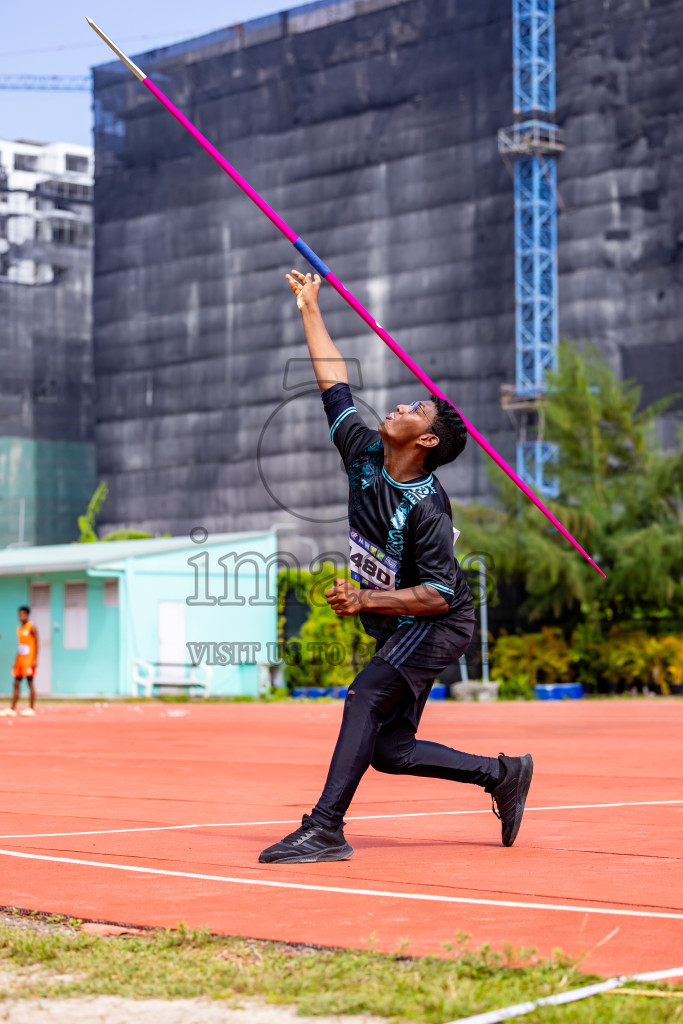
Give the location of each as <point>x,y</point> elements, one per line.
<point>25,662</point>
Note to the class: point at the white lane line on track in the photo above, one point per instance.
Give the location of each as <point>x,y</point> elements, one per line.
<point>361,817</point>
<point>387,894</point>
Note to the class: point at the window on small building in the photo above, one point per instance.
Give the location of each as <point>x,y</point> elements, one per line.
<point>111,593</point>
<point>63,232</point>
<point>25,162</point>
<point>76,163</point>
<point>70,232</point>
<point>75,615</point>
<point>78,191</point>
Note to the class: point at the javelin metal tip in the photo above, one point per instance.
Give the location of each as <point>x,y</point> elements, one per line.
<point>119,53</point>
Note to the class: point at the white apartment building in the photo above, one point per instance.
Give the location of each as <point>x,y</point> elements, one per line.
<point>45,208</point>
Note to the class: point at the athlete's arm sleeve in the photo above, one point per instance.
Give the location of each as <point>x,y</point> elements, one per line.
<point>433,548</point>
<point>348,431</point>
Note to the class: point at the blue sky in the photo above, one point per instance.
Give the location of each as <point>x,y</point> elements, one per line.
<point>54,38</point>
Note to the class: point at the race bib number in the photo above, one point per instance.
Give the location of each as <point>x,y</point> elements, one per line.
<point>23,649</point>
<point>370,565</point>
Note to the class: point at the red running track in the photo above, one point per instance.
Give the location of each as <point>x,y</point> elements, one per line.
<point>596,869</point>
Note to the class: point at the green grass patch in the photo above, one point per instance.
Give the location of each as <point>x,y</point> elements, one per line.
<point>187,964</point>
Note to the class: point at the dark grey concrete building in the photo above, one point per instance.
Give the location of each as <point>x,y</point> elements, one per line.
<point>370,126</point>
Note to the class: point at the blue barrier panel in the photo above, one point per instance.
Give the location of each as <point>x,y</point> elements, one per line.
<point>311,692</point>
<point>439,692</point>
<point>558,691</point>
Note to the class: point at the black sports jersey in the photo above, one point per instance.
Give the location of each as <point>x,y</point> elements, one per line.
<point>401,534</point>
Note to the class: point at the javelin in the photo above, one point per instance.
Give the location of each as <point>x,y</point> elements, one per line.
<point>327,274</point>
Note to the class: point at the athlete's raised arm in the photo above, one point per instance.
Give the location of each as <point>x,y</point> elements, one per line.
<point>328,363</point>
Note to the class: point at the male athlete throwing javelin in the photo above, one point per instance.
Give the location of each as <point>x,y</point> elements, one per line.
<point>413,599</point>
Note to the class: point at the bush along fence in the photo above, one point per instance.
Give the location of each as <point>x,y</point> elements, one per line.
<point>621,661</point>
<point>321,653</point>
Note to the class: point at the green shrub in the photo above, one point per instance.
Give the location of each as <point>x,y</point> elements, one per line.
<point>586,652</point>
<point>619,661</point>
<point>666,653</point>
<point>328,650</point>
<point>626,659</point>
<point>542,657</point>
<point>516,688</point>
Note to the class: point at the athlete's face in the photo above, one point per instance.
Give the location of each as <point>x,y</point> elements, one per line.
<point>409,422</point>
<point>23,617</point>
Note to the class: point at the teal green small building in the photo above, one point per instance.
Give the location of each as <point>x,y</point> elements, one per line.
<point>143,617</point>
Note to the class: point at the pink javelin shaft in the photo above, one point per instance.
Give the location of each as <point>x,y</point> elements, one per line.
<point>325,271</point>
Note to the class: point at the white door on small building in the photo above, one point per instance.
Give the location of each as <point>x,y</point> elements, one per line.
<point>41,618</point>
<point>75,615</point>
<point>172,652</point>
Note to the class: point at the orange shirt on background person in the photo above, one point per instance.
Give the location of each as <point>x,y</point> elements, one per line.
<point>24,663</point>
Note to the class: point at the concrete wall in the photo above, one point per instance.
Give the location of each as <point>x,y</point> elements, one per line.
<point>620,93</point>
<point>46,387</point>
<point>371,127</point>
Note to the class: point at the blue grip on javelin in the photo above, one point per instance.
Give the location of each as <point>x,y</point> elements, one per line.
<point>312,257</point>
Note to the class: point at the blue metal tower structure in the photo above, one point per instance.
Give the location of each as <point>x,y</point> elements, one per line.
<point>533,144</point>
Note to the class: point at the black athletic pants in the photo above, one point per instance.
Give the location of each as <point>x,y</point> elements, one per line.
<point>378,728</point>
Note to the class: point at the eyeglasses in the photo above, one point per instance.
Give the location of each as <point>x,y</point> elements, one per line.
<point>414,406</point>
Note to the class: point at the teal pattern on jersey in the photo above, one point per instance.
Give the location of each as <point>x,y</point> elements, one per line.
<point>363,472</point>
<point>395,537</point>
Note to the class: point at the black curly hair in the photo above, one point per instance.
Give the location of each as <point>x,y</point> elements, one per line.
<point>451,432</point>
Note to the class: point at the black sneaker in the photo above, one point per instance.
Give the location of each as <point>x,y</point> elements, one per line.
<point>509,796</point>
<point>311,842</point>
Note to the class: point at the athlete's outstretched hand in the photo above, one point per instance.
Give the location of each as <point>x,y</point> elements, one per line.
<point>343,598</point>
<point>305,287</point>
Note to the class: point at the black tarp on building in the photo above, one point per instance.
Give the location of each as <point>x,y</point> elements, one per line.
<point>370,126</point>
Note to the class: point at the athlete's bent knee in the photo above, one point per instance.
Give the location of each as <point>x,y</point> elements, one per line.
<point>387,759</point>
